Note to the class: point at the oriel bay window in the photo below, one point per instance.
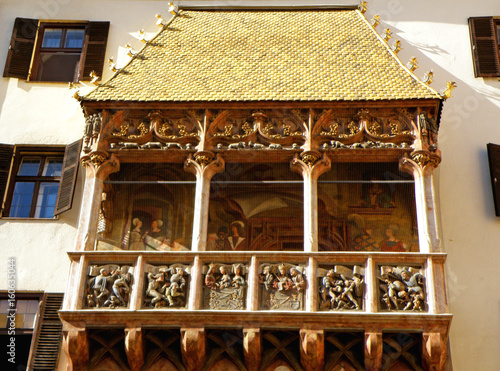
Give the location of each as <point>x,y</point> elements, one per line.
<point>367,207</point>
<point>147,207</point>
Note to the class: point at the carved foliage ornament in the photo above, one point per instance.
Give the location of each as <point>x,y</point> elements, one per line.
<point>225,286</point>
<point>341,288</point>
<point>402,288</point>
<point>108,286</point>
<point>167,286</point>
<point>283,286</point>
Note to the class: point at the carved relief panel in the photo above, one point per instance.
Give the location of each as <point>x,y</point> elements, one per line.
<point>282,286</point>
<point>402,288</point>
<point>108,286</point>
<point>341,288</point>
<point>224,286</point>
<point>166,286</point>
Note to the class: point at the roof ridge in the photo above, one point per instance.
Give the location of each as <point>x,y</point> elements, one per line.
<point>395,56</point>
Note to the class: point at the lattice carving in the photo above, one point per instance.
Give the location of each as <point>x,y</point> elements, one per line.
<point>402,351</point>
<point>344,350</point>
<point>109,286</point>
<point>163,350</point>
<point>167,286</point>
<point>341,288</point>
<point>225,286</point>
<point>107,350</point>
<point>402,288</point>
<point>281,348</point>
<point>283,286</point>
<point>225,350</point>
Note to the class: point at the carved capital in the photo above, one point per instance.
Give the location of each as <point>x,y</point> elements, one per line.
<point>100,164</point>
<point>134,347</point>
<point>373,350</point>
<point>310,164</point>
<point>312,349</point>
<point>193,348</point>
<point>420,162</point>
<point>434,351</point>
<point>424,159</point>
<point>76,347</point>
<point>204,164</point>
<point>252,348</point>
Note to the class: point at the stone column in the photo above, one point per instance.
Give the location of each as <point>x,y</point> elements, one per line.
<point>98,165</point>
<point>196,288</point>
<point>134,346</point>
<point>252,348</point>
<point>312,349</point>
<point>421,165</point>
<point>193,348</point>
<point>76,347</point>
<point>434,351</point>
<point>311,165</point>
<point>253,285</point>
<point>373,349</point>
<point>204,165</point>
<point>372,290</point>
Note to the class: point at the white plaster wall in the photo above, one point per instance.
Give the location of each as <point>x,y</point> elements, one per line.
<point>436,32</point>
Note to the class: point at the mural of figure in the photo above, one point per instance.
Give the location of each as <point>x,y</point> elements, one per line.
<point>391,242</point>
<point>237,240</point>
<point>136,242</point>
<point>377,195</point>
<point>155,231</point>
<point>222,234</point>
<point>365,241</point>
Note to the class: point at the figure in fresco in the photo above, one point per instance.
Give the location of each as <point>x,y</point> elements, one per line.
<point>222,235</point>
<point>136,238</point>
<point>156,231</point>
<point>365,241</point>
<point>237,240</point>
<point>391,242</point>
<point>377,195</point>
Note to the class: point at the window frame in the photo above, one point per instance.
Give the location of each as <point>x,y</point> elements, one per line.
<point>485,45</point>
<point>39,49</point>
<point>20,153</point>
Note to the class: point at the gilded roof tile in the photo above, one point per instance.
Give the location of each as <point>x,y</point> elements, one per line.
<point>321,55</point>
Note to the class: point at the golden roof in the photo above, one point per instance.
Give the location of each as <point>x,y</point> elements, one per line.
<point>264,55</point>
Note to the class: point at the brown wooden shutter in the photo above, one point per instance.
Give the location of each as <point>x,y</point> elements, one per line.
<point>6,152</point>
<point>484,47</point>
<point>47,336</point>
<point>94,50</point>
<point>68,177</point>
<point>494,160</point>
<point>21,48</point>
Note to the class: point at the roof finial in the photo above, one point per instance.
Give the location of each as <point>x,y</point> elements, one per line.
<point>396,47</point>
<point>387,34</point>
<point>362,7</point>
<point>450,85</point>
<point>428,77</point>
<point>130,51</point>
<point>142,36</point>
<point>112,64</point>
<point>375,21</point>
<point>94,77</point>
<point>173,9</point>
<point>412,64</point>
<point>160,22</point>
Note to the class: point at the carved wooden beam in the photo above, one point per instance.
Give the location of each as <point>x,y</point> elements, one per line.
<point>312,349</point>
<point>193,348</point>
<point>76,347</point>
<point>252,348</point>
<point>134,347</point>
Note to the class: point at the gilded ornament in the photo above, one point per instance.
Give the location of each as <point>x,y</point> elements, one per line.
<point>423,159</point>
<point>450,85</point>
<point>375,21</point>
<point>363,7</point>
<point>97,159</point>
<point>412,64</point>
<point>375,128</point>
<point>332,130</point>
<point>387,34</point>
<point>353,128</point>
<point>310,158</point>
<point>396,47</point>
<point>394,128</point>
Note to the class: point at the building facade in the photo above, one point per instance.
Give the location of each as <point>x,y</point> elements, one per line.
<point>258,186</point>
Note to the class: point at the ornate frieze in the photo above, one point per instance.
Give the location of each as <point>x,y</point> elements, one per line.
<point>167,286</point>
<point>402,288</point>
<point>224,286</point>
<point>341,288</point>
<point>108,286</point>
<point>283,286</point>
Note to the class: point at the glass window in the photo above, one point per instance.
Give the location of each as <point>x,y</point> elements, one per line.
<point>367,207</point>
<point>256,207</point>
<point>74,38</point>
<point>35,187</point>
<point>52,38</point>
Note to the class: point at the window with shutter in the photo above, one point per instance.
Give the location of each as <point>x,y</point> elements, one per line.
<point>494,160</point>
<point>485,46</point>
<point>55,51</point>
<point>42,180</point>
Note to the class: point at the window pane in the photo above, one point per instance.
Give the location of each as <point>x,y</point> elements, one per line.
<point>74,38</point>
<point>46,201</point>
<point>21,201</point>
<point>29,166</point>
<point>29,321</point>
<point>61,67</point>
<point>22,306</point>
<point>52,38</point>
<point>32,306</point>
<point>4,306</point>
<point>53,166</point>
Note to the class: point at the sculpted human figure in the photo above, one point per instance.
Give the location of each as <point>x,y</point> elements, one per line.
<point>328,288</point>
<point>225,280</point>
<point>121,285</point>
<point>283,283</point>
<point>210,278</point>
<point>266,278</point>
<point>101,286</point>
<point>176,288</point>
<point>156,287</point>
<point>298,280</point>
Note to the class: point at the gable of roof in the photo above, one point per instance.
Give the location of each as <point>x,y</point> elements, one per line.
<point>264,55</point>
